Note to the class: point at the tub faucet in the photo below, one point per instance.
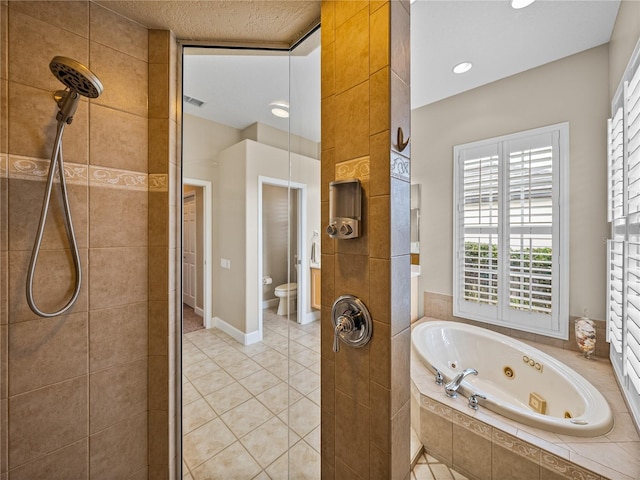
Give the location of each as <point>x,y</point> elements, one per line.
<point>451,388</point>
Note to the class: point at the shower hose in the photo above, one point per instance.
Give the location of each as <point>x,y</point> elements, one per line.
<point>56,160</point>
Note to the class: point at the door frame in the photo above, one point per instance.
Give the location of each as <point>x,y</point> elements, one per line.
<point>189,197</point>
<point>303,294</point>
<point>207,287</point>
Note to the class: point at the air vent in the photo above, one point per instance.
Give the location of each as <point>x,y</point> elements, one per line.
<point>193,101</point>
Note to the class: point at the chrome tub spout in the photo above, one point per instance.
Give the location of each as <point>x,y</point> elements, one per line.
<point>451,388</point>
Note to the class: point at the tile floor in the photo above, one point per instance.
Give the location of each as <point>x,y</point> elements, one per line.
<point>236,424</point>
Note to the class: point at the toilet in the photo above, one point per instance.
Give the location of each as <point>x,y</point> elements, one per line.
<point>286,305</point>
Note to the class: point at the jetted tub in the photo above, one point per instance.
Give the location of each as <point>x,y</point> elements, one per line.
<point>517,379</point>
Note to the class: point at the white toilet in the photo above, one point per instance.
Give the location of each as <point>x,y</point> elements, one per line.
<point>287,293</point>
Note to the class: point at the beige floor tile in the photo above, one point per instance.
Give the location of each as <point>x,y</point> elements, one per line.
<point>267,442</point>
<point>243,368</point>
<point>261,476</point>
<point>228,357</point>
<point>189,393</point>
<point>441,471</point>
<point>305,381</point>
<point>206,441</point>
<point>304,462</point>
<point>269,357</point>
<point>189,358</point>
<point>422,472</point>
<point>304,416</point>
<point>245,417</point>
<point>313,439</point>
<point>200,369</point>
<point>260,381</point>
<point>196,414</point>
<point>315,396</point>
<point>315,368</point>
<point>279,470</point>
<point>253,349</point>
<point>212,382</point>
<point>278,397</point>
<point>458,476</point>
<point>228,397</point>
<point>306,357</point>
<point>232,463</point>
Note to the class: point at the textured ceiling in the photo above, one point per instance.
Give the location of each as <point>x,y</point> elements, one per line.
<point>264,22</point>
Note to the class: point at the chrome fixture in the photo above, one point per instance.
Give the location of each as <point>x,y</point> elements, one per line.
<point>439,378</point>
<point>473,400</point>
<point>451,388</point>
<point>345,209</point>
<point>79,80</point>
<point>351,322</point>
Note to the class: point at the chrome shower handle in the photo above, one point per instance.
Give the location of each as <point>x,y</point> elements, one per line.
<point>352,322</point>
<point>473,400</point>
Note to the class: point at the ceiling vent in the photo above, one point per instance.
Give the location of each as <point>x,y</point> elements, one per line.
<point>193,101</point>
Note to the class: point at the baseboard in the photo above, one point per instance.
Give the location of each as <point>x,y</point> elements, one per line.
<point>310,317</point>
<point>270,303</point>
<point>198,311</point>
<point>243,338</point>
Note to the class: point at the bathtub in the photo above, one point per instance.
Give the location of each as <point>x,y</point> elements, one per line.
<point>518,380</point>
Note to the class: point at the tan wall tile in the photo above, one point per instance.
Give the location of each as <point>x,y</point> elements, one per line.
<point>380,147</point>
<point>436,433</point>
<point>159,145</point>
<point>159,90</point>
<point>352,123</point>
<point>328,122</point>
<point>471,453</point>
<point>53,283</point>
<point>117,394</point>
<point>32,116</point>
<point>118,139</point>
<point>4,41</point>
<point>32,45</point>
<point>159,273</point>
<point>27,196</point>
<point>117,335</point>
<point>352,373</point>
<point>4,287</point>
<point>400,360</point>
<point>352,434</point>
<point>327,245</point>
<point>4,113</point>
<point>120,450</point>
<point>352,276</point>
<point>328,164</point>
<point>400,301</point>
<point>118,277</point>
<point>401,42</point>
<point>379,116</point>
<point>47,351</point>
<point>158,327</point>
<point>158,382</point>
<point>328,73</point>
<point>380,463</point>
<point>68,462</point>
<point>379,303</point>
<point>47,419</point>
<point>380,232</point>
<point>118,220</point>
<point>158,437</point>
<point>4,435</point>
<point>125,80</point>
<point>327,296</point>
<point>380,418</point>
<point>507,464</point>
<point>159,46</point>
<point>4,361</point>
<point>345,10</point>
<point>72,16</point>
<point>379,42</point>
<point>158,219</point>
<point>400,441</point>
<point>352,51</point>
<point>380,367</point>
<point>117,32</point>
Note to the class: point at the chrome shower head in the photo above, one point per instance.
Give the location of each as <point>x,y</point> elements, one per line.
<point>76,76</point>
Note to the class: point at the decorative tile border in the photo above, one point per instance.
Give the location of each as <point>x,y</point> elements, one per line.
<point>565,468</point>
<point>158,182</point>
<point>436,407</point>
<point>29,168</point>
<point>358,168</point>
<point>516,446</point>
<point>471,424</point>
<point>400,167</point>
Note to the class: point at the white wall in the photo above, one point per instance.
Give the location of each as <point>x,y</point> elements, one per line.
<point>237,300</point>
<point>575,90</point>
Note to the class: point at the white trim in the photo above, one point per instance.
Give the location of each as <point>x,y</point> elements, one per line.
<point>558,326</point>
<point>243,338</point>
<point>198,311</point>
<point>270,303</point>
<point>206,254</point>
<point>310,317</point>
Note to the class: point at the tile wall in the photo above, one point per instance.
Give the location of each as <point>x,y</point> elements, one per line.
<point>365,98</point>
<point>74,388</point>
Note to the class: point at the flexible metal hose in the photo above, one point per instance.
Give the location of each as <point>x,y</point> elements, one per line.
<point>56,159</point>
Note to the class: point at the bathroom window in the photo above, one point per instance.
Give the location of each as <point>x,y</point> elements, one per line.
<point>511,229</point>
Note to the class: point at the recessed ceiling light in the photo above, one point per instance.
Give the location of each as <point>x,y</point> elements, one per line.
<point>518,4</point>
<point>462,67</point>
<point>280,109</point>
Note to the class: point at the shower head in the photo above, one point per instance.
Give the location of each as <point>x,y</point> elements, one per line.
<point>76,76</point>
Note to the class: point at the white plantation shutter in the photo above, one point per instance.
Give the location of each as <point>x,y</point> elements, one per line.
<point>507,235</point>
<point>615,308</point>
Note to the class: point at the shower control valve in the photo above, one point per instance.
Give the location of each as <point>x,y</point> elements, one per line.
<point>332,229</point>
<point>352,322</point>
